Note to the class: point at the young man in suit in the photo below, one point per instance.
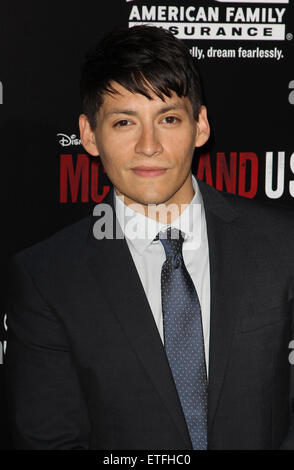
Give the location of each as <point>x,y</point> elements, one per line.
<point>164,324</point>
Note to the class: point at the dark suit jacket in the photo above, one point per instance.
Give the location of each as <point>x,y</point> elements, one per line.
<point>86,367</point>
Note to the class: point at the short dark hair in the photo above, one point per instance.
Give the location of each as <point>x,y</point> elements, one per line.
<point>141,59</point>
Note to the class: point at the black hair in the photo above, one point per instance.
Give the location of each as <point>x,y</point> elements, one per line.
<point>141,59</point>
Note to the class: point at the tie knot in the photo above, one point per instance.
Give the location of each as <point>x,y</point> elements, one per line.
<point>172,240</point>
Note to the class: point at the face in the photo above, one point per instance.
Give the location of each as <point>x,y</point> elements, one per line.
<point>146,146</point>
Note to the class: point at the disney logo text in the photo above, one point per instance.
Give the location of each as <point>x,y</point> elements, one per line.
<point>66,140</point>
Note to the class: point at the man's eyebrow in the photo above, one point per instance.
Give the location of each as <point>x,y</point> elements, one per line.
<point>120,111</point>
<point>130,112</point>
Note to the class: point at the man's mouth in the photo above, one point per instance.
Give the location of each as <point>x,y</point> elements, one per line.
<point>149,171</point>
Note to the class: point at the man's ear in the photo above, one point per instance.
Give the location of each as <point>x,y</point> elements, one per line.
<point>88,136</point>
<point>202,128</point>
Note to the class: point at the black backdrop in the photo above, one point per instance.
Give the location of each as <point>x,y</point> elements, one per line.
<point>49,182</point>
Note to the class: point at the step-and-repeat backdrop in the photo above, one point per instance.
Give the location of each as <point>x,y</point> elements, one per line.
<point>245,54</point>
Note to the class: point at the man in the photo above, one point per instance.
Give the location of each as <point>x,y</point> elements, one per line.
<point>163,322</point>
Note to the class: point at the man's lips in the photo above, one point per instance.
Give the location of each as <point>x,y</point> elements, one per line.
<point>149,171</point>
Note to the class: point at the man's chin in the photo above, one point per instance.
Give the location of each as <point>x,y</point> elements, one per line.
<point>143,199</point>
<point>151,201</point>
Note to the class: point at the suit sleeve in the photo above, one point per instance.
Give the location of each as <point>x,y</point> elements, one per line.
<point>46,405</point>
<point>288,442</point>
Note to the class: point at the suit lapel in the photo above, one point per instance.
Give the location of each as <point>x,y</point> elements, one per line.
<point>121,285</point>
<point>227,255</point>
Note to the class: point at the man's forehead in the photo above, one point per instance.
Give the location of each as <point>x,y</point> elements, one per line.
<point>121,96</point>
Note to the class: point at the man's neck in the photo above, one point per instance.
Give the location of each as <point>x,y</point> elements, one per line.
<point>167,211</point>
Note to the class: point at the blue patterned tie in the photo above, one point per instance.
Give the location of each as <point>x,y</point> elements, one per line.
<point>183,336</point>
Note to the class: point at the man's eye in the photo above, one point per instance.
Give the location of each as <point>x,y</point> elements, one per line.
<point>122,123</point>
<point>170,120</point>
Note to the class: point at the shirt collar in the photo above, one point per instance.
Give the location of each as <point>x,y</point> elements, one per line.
<point>141,230</point>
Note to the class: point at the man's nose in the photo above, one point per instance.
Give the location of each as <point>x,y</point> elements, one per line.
<point>148,143</point>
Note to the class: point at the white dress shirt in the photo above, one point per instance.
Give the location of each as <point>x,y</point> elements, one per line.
<point>149,255</point>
